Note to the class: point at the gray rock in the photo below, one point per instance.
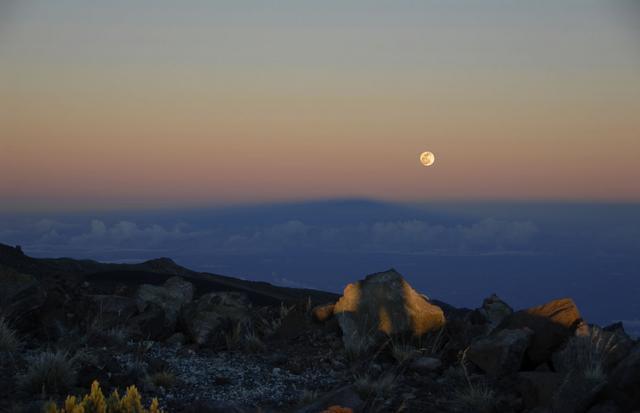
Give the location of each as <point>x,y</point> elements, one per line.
<point>384,304</point>
<point>203,318</point>
<point>426,364</point>
<point>577,392</point>
<point>624,381</point>
<point>495,310</point>
<point>500,353</point>
<point>537,388</point>
<point>150,324</point>
<point>171,296</point>
<point>176,339</point>
<point>604,407</point>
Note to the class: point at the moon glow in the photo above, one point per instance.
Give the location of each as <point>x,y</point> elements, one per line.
<point>427,158</point>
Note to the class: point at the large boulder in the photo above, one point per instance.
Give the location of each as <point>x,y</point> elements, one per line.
<point>552,324</point>
<point>205,318</point>
<point>384,304</point>
<point>624,381</point>
<point>501,353</point>
<point>578,391</point>
<point>171,296</point>
<point>537,388</point>
<point>150,324</point>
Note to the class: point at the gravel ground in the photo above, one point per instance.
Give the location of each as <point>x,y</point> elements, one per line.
<point>245,379</point>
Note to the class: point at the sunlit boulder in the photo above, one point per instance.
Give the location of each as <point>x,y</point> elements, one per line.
<point>384,304</point>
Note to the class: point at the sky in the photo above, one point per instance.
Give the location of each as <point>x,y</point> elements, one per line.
<point>280,141</point>
<point>145,104</point>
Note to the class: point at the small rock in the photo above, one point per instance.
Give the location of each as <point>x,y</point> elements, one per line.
<point>203,319</point>
<point>323,312</point>
<point>170,296</point>
<point>426,364</point>
<point>176,340</point>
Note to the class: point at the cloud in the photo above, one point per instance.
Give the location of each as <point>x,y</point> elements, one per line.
<point>127,233</point>
<point>412,236</point>
<point>495,234</point>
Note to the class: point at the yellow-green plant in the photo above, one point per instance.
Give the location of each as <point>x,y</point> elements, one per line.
<point>95,402</point>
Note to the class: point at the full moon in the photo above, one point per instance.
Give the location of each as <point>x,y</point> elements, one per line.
<point>427,158</point>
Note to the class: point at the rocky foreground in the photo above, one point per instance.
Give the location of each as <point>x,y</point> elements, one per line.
<point>206,343</point>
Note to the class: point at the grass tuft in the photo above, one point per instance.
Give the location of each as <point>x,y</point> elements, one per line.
<point>50,373</point>
<point>164,379</point>
<point>369,387</point>
<point>9,341</point>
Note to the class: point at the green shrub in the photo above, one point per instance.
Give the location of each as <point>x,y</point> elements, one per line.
<point>95,402</point>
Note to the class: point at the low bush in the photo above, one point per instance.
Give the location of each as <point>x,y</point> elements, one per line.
<point>96,402</point>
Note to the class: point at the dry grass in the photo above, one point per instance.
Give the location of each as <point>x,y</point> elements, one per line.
<point>50,373</point>
<point>587,354</point>
<point>403,352</point>
<point>405,349</point>
<point>308,396</point>
<point>252,343</point>
<point>478,398</point>
<point>242,336</point>
<point>473,397</point>
<point>433,342</point>
<point>9,341</point>
<point>356,348</point>
<point>233,337</point>
<point>164,379</point>
<point>269,325</point>
<point>369,387</point>
<point>284,310</point>
<point>114,336</point>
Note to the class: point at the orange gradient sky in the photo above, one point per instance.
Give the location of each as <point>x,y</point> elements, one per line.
<point>153,104</point>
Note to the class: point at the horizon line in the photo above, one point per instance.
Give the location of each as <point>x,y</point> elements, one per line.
<point>198,206</point>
